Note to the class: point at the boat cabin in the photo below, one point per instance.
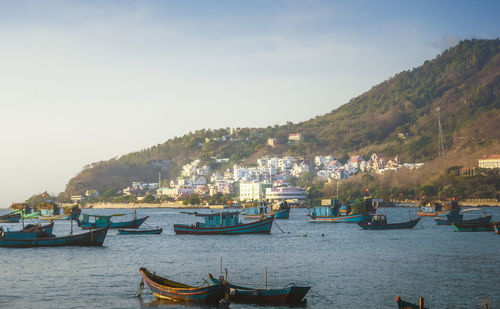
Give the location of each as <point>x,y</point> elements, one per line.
<point>218,219</point>
<point>98,220</point>
<point>24,207</point>
<point>49,209</point>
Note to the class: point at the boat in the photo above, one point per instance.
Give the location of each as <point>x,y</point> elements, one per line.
<point>100,221</point>
<point>353,212</point>
<point>279,210</point>
<point>49,209</point>
<point>473,227</point>
<point>92,238</point>
<point>224,223</point>
<point>25,210</point>
<point>496,227</point>
<point>140,232</point>
<point>288,295</point>
<point>12,217</point>
<point>431,211</point>
<point>163,288</point>
<point>407,305</point>
<point>456,217</point>
<point>29,231</point>
<point>379,222</point>
<point>69,212</point>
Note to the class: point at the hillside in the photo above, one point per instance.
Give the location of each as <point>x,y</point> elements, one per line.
<point>397,116</point>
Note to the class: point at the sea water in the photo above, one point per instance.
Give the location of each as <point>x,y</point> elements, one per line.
<point>346,267</point>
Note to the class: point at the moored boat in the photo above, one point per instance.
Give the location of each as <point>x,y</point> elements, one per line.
<point>431,211</point>
<point>379,222</point>
<point>140,232</point>
<point>49,209</point>
<point>100,221</point>
<point>224,223</point>
<point>472,227</point>
<point>10,218</point>
<point>29,231</point>
<point>164,288</point>
<point>288,295</point>
<point>407,305</point>
<point>91,238</point>
<point>279,210</point>
<point>353,212</point>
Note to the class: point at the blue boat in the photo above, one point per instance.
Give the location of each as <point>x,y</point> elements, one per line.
<point>100,221</point>
<point>164,288</point>
<point>279,210</point>
<point>224,223</point>
<point>49,209</point>
<point>28,232</point>
<point>91,238</point>
<point>379,222</point>
<point>141,232</point>
<point>12,217</point>
<point>353,212</point>
<point>288,295</point>
<point>456,217</point>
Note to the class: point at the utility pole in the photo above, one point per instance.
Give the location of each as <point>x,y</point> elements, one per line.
<point>440,137</point>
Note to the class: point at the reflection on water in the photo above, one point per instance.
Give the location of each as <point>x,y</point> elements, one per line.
<point>347,267</point>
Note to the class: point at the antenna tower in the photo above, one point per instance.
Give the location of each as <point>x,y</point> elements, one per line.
<point>441,143</point>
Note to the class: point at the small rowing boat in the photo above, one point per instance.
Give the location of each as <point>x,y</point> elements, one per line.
<point>473,227</point>
<point>164,288</point>
<point>140,231</point>
<point>379,222</point>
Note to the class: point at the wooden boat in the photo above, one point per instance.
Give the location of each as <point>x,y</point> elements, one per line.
<point>164,288</point>
<point>289,295</point>
<point>29,231</point>
<point>224,223</point>
<point>10,218</point>
<point>379,222</point>
<point>49,209</point>
<point>101,221</point>
<point>472,227</point>
<point>140,232</point>
<point>280,210</point>
<point>406,305</point>
<point>458,218</point>
<point>91,238</point>
<point>431,211</point>
<point>352,212</point>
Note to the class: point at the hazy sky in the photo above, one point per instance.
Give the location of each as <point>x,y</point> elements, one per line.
<point>85,81</point>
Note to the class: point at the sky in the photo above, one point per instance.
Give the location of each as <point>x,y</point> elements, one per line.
<point>86,81</point>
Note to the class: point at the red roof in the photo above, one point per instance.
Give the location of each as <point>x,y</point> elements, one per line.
<point>493,157</point>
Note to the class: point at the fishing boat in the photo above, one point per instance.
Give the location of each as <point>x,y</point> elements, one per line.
<point>100,221</point>
<point>69,212</point>
<point>407,305</point>
<point>29,231</point>
<point>279,210</point>
<point>49,209</point>
<point>163,288</point>
<point>472,227</point>
<point>353,212</point>
<point>24,210</point>
<point>288,295</point>
<point>223,223</point>
<point>10,218</point>
<point>91,238</point>
<point>140,231</point>
<point>379,222</point>
<point>431,211</point>
<point>456,217</point>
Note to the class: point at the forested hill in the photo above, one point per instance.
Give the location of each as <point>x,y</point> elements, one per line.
<point>397,116</point>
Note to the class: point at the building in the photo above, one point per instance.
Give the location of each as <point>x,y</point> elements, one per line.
<point>253,191</point>
<point>286,193</point>
<point>272,142</point>
<point>294,138</point>
<point>491,161</point>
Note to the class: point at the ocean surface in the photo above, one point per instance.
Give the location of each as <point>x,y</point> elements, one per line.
<point>345,266</point>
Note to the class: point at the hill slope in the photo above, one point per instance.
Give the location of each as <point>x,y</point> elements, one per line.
<point>397,116</point>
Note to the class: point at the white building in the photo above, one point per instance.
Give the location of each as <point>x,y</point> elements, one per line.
<point>253,191</point>
<point>286,193</point>
<point>492,161</point>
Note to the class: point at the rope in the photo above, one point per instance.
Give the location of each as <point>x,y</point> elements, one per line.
<point>141,288</point>
<point>276,223</point>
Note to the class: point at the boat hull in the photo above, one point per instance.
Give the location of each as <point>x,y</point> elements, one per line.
<point>113,225</point>
<point>473,227</point>
<point>440,221</point>
<point>206,294</point>
<point>431,214</point>
<point>285,296</point>
<point>393,226</point>
<point>343,219</point>
<point>91,238</point>
<point>261,226</point>
<point>140,232</point>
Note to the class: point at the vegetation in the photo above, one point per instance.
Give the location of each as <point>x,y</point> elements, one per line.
<point>394,117</point>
